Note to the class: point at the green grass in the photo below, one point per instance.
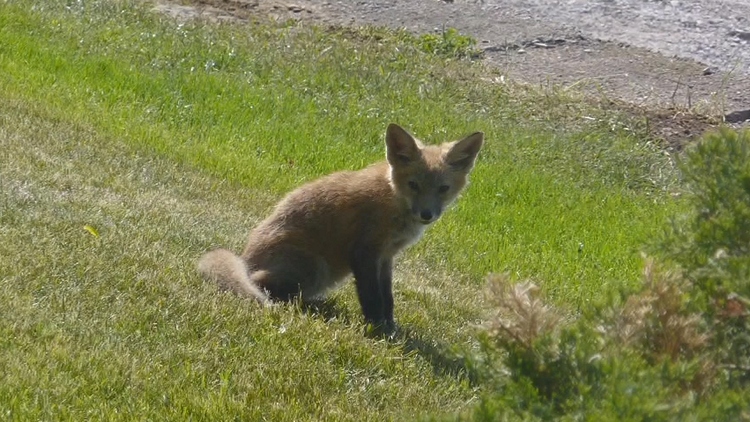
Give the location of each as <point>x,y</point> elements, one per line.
<point>171,138</point>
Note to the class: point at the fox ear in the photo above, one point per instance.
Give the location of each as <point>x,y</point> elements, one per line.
<point>462,154</point>
<point>401,147</point>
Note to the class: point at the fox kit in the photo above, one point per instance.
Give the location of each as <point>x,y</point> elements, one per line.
<point>351,222</point>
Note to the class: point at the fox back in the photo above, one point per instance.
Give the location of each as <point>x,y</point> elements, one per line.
<point>351,222</point>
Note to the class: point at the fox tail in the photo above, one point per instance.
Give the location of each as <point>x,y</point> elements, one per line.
<point>230,273</point>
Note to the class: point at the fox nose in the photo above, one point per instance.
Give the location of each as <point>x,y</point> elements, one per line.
<point>426,215</point>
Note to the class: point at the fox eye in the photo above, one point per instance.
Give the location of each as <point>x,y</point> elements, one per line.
<point>443,188</point>
<point>413,186</point>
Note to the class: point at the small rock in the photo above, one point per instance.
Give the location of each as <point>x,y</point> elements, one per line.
<point>295,8</point>
<point>710,70</point>
<point>737,116</point>
<point>743,35</point>
<point>521,51</point>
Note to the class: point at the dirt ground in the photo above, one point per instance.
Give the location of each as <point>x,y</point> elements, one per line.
<point>684,63</point>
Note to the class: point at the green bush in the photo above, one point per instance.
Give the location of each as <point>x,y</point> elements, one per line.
<point>647,356</point>
<point>712,243</point>
<point>677,348</point>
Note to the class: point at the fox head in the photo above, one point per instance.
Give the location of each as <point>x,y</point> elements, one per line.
<point>428,178</point>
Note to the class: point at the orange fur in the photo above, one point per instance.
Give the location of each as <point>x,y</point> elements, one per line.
<point>349,222</point>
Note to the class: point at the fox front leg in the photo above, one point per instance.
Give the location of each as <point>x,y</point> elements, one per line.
<point>386,290</point>
<point>373,288</point>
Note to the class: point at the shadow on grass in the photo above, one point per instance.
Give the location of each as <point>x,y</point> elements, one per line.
<point>328,309</point>
<point>443,360</point>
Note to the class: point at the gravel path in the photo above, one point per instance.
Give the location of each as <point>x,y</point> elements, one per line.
<point>663,54</point>
<point>716,33</point>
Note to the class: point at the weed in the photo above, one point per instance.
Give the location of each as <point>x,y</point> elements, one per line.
<point>450,43</point>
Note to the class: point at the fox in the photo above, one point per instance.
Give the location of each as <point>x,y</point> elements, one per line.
<point>348,222</point>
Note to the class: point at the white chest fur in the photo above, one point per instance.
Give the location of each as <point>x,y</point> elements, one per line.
<point>406,235</point>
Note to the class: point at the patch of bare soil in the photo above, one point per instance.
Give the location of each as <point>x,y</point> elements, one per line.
<point>683,65</point>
